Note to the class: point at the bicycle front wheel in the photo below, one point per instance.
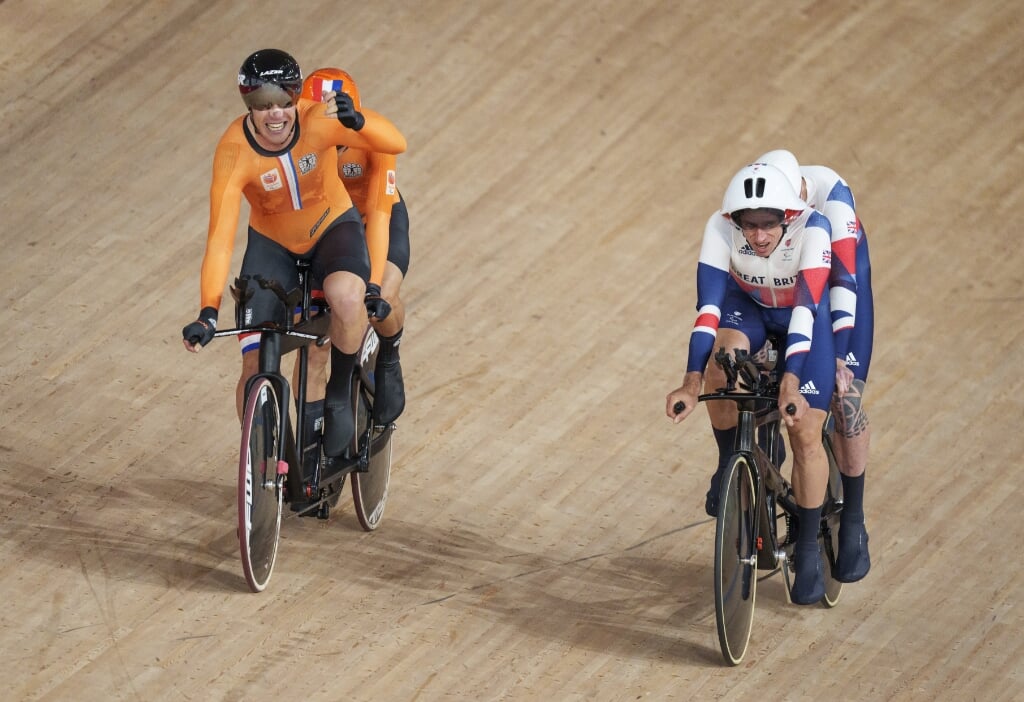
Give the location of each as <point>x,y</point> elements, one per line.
<point>828,544</point>
<point>260,493</point>
<point>370,488</point>
<point>736,558</point>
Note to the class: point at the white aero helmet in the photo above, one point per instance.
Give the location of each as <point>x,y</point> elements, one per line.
<point>786,162</point>
<point>761,186</point>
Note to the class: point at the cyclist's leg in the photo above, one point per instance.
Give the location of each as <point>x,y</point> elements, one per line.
<point>389,395</point>
<point>810,464</point>
<point>250,365</point>
<point>313,407</point>
<point>853,434</point>
<point>272,261</point>
<point>852,429</point>
<point>742,326</point>
<point>341,261</point>
<point>316,381</point>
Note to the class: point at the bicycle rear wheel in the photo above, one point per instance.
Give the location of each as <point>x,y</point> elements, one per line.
<point>736,559</point>
<point>370,488</point>
<point>260,490</point>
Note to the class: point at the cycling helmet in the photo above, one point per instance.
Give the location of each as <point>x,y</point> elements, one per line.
<point>786,162</point>
<point>761,186</point>
<point>323,80</point>
<point>269,76</point>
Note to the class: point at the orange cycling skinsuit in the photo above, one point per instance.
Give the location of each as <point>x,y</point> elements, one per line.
<point>293,195</point>
<point>368,176</point>
<point>370,179</point>
<point>299,209</point>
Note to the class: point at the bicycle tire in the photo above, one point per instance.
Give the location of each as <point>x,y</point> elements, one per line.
<point>260,493</point>
<point>370,488</point>
<point>829,534</point>
<point>736,559</point>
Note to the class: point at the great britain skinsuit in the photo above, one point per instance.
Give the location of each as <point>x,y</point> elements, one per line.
<point>783,293</point>
<point>850,293</point>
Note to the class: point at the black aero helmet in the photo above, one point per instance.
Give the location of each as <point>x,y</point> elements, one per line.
<point>267,75</point>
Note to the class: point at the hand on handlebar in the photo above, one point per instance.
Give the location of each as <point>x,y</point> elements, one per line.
<point>376,306</point>
<point>791,403</point>
<point>681,402</point>
<point>200,332</point>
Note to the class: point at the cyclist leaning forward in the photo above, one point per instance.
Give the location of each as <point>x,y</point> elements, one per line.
<point>764,267</point>
<point>853,313</point>
<point>370,179</point>
<point>281,156</point>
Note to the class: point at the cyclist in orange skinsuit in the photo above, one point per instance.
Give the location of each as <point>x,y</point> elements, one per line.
<point>282,157</point>
<point>370,179</point>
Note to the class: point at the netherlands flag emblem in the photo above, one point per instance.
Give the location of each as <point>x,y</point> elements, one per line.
<point>321,87</point>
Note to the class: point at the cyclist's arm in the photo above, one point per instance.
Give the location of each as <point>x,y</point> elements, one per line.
<point>811,284</point>
<point>839,209</point>
<point>380,197</point>
<point>712,278</point>
<point>377,134</point>
<point>225,201</point>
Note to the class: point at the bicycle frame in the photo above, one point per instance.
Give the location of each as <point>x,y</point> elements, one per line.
<point>757,411</point>
<point>751,493</point>
<point>276,341</point>
<point>267,436</point>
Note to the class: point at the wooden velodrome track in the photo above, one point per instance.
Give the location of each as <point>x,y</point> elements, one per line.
<point>545,538</point>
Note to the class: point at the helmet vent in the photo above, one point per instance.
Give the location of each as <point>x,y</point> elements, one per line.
<point>754,187</point>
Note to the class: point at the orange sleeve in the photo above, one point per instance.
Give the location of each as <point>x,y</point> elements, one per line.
<point>381,135</point>
<point>381,195</point>
<point>225,201</point>
<point>378,133</point>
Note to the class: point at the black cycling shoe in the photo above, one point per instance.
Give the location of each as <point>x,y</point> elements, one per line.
<point>389,392</point>
<point>808,576</point>
<point>711,504</point>
<point>711,498</point>
<point>339,429</point>
<point>853,561</point>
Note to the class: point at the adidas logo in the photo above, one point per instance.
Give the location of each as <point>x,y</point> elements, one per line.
<point>747,250</point>
<point>851,360</point>
<point>809,388</point>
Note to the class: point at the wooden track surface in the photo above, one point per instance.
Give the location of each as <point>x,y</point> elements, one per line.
<point>545,538</point>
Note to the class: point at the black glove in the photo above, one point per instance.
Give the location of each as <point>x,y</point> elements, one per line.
<point>201,331</point>
<point>348,115</point>
<point>376,306</point>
